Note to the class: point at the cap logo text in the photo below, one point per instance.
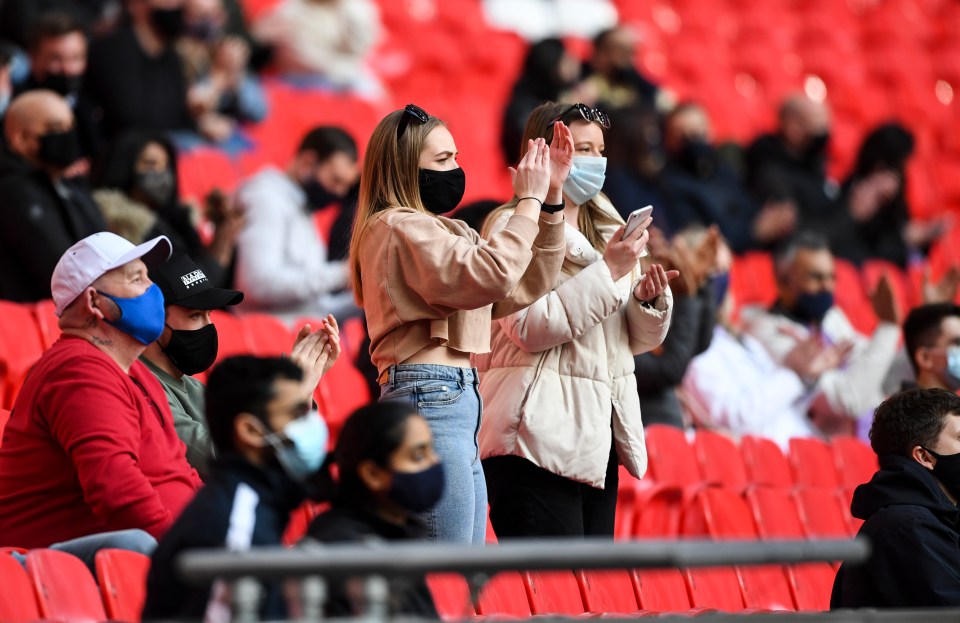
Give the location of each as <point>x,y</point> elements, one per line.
<point>191,278</point>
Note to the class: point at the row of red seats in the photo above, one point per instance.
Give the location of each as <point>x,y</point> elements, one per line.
<point>58,587</point>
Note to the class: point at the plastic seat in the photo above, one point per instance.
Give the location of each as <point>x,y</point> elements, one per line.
<point>855,461</point>
<point>232,335</point>
<point>47,322</point>
<point>64,587</point>
<point>17,602</point>
<point>341,391</point>
<point>822,513</point>
<point>716,588</point>
<point>812,463</point>
<point>764,462</point>
<point>20,347</point>
<point>607,591</point>
<point>122,576</point>
<point>552,592</point>
<point>752,279</point>
<point>852,297</point>
<point>268,336</point>
<point>719,460</point>
<point>671,459</point>
<point>660,590</point>
<point>657,510</point>
<point>504,595</point>
<point>451,595</point>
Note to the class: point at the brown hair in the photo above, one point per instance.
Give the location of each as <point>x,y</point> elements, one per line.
<point>389,179</point>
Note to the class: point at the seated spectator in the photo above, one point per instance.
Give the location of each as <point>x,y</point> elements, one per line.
<point>611,77</point>
<point>216,70</point>
<point>142,166</point>
<point>851,367</point>
<point>388,474</point>
<point>282,264</point>
<point>189,345</point>
<point>136,78</point>
<point>324,42</point>
<point>932,338</point>
<point>549,74</point>
<point>58,61</point>
<point>876,220</point>
<point>43,212</point>
<point>270,444</point>
<point>790,164</point>
<point>90,446</point>
<point>699,187</point>
<point>909,508</point>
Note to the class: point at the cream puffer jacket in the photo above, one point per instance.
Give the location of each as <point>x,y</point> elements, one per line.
<point>560,369</point>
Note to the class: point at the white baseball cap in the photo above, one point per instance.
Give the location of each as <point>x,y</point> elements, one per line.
<point>95,255</point>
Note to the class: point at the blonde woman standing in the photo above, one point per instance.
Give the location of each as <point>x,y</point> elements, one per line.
<point>560,397</point>
<point>430,287</point>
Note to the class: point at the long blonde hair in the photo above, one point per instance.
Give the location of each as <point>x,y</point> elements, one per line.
<point>389,179</point>
<point>540,125</point>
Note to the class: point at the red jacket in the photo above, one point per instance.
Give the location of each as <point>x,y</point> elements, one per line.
<point>89,449</point>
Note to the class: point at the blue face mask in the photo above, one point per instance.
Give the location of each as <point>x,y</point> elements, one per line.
<point>417,491</point>
<point>141,317</point>
<point>305,456</point>
<point>585,179</point>
<point>719,284</point>
<point>953,368</point>
<point>812,308</point>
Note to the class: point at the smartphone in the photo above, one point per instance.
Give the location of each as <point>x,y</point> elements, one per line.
<point>636,217</point>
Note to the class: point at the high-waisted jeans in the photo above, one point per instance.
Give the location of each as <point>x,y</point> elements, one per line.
<point>448,398</point>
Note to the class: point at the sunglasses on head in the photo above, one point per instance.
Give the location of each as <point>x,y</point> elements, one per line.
<point>411,111</point>
<point>589,114</point>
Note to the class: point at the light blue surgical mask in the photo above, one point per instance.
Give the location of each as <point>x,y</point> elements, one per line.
<point>305,456</point>
<point>953,367</point>
<point>585,179</point>
<point>141,317</point>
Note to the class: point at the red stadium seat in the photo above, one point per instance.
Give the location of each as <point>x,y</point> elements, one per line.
<point>765,462</point>
<point>812,463</point>
<point>342,390</point>
<point>822,512</point>
<point>671,459</point>
<point>660,590</point>
<point>852,297</point>
<point>47,322</point>
<point>232,335</point>
<point>4,418</point>
<point>122,576</point>
<point>855,461</point>
<point>451,595</point>
<point>552,592</point>
<point>20,347</point>
<point>657,510</point>
<point>64,587</point>
<point>607,591</point>
<point>17,602</point>
<point>720,460</point>
<point>752,279</point>
<point>267,335</point>
<point>504,595</point>
<point>717,588</point>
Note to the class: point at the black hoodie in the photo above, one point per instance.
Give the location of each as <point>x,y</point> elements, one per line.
<point>913,528</point>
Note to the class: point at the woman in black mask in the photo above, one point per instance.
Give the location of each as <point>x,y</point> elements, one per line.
<point>388,472</point>
<point>139,195</point>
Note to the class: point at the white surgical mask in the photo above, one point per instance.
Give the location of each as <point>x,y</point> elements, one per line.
<point>585,179</point>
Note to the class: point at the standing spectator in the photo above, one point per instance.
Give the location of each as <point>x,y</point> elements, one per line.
<point>612,78</point>
<point>282,264</point>
<point>790,165</point>
<point>43,212</point>
<point>58,61</point>
<point>561,405</point>
<point>931,334</point>
<point>17,16</point>
<point>324,42</point>
<point>90,446</point>
<point>270,444</point>
<point>634,161</point>
<point>849,382</point>
<point>700,188</point>
<point>142,167</point>
<point>548,73</point>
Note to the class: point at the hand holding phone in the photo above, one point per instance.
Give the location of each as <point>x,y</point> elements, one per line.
<point>636,217</point>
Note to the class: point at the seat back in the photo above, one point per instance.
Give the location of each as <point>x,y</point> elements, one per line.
<point>504,595</point>
<point>671,459</point>
<point>17,600</point>
<point>451,595</point>
<point>764,462</point>
<point>268,336</point>
<point>855,461</point>
<point>122,576</point>
<point>607,591</point>
<point>720,461</point>
<point>552,592</point>
<point>811,585</point>
<point>716,587</point>
<point>822,513</point>
<point>64,587</point>
<point>657,511</point>
<point>812,463</point>
<point>660,590</point>
<point>20,347</point>
<point>775,513</point>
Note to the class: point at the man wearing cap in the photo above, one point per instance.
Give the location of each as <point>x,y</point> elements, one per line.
<point>189,343</point>
<point>90,446</point>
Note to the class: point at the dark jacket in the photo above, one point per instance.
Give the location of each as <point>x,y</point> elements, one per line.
<point>39,221</point>
<point>241,506</point>
<point>913,528</point>
<point>84,113</point>
<point>343,524</point>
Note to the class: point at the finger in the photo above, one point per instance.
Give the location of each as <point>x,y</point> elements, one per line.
<point>641,229</point>
<point>513,174</point>
<point>672,274</point>
<point>557,140</point>
<point>302,333</point>
<point>567,138</point>
<point>332,323</point>
<point>618,235</point>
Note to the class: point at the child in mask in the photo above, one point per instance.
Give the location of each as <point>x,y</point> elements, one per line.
<point>270,445</point>
<point>561,400</point>
<point>388,475</point>
<point>430,286</point>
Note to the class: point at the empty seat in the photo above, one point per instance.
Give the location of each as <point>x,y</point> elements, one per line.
<point>720,460</point>
<point>657,510</point>
<point>607,591</point>
<point>267,335</point>
<point>17,601</point>
<point>812,463</point>
<point>65,589</point>
<point>823,513</point>
<point>552,592</point>
<point>764,462</point>
<point>451,596</point>
<point>504,595</point>
<point>122,576</point>
<point>855,461</point>
<point>660,590</point>
<point>20,347</point>
<point>671,459</point>
<point>717,588</point>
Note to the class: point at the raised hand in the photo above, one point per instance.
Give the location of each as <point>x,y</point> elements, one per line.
<point>654,282</point>
<point>316,351</point>
<point>884,302</point>
<point>561,159</point>
<point>531,178</point>
<point>621,255</point>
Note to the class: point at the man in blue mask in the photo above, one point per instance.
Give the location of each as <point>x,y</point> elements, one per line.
<point>270,444</point>
<point>805,331</point>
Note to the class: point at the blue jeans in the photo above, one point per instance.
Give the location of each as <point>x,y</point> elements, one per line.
<point>86,547</point>
<point>449,400</point>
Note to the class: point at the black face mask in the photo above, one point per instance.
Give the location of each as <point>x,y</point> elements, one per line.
<point>817,147</point>
<point>168,22</point>
<point>441,191</point>
<point>317,195</point>
<point>60,149</point>
<point>696,156</point>
<point>207,31</point>
<point>192,351</point>
<point>62,83</point>
<point>156,186</point>
<point>947,471</point>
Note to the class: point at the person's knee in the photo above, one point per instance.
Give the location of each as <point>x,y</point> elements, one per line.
<point>133,540</point>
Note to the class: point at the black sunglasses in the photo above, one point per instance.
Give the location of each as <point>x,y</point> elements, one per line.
<point>411,111</point>
<point>590,114</point>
